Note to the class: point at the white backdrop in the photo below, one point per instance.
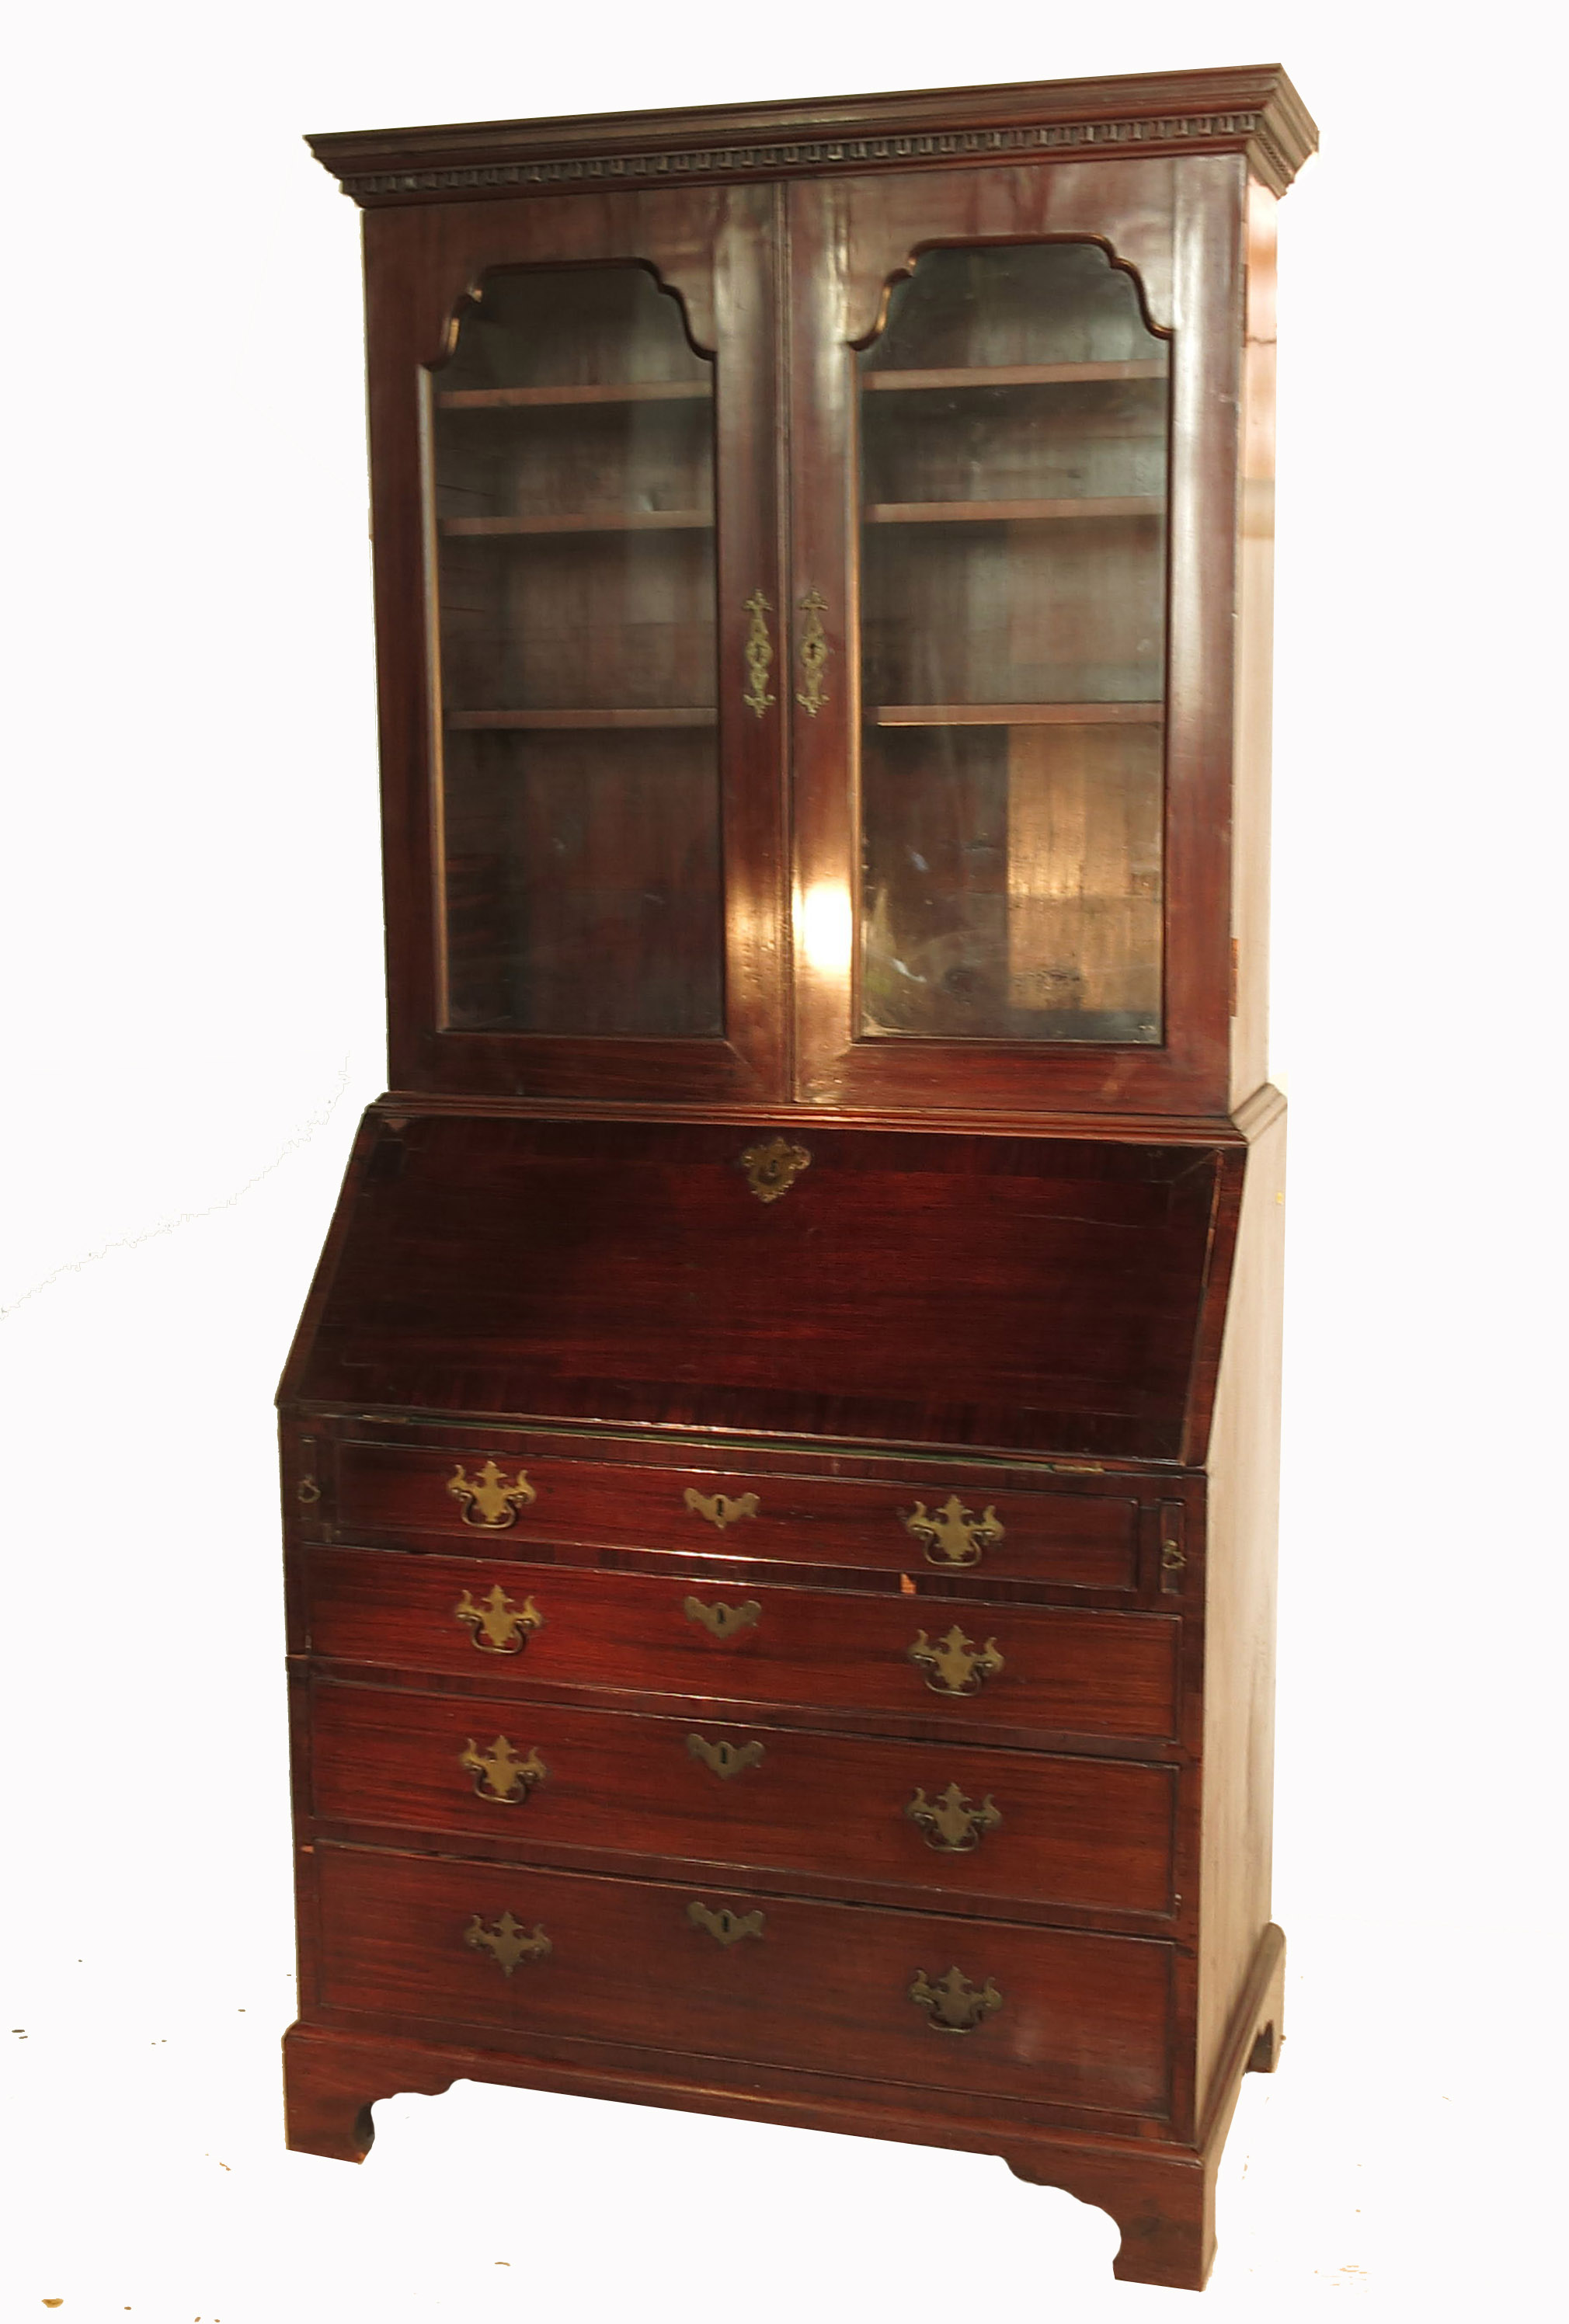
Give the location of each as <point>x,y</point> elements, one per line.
<point>193,1023</point>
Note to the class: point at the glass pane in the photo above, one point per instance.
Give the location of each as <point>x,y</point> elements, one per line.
<point>1014,425</point>
<point>573,438</point>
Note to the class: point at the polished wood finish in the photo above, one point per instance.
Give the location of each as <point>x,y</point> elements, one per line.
<point>1092,1839</point>
<point>930,1465</point>
<point>845,1653</point>
<point>398,1493</point>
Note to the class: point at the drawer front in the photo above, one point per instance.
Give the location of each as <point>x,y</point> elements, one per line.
<point>1005,1825</point>
<point>1058,1671</point>
<point>952,1522</point>
<point>975,2006</point>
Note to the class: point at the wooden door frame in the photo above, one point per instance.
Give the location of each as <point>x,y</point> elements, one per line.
<point>715,246</point>
<point>1177,225</point>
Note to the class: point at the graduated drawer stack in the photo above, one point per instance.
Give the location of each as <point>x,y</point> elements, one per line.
<point>864,1765</point>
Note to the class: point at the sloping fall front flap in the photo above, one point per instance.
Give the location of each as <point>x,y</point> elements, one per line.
<point>1052,1294</point>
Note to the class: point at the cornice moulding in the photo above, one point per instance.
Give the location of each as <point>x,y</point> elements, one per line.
<point>1252,110</point>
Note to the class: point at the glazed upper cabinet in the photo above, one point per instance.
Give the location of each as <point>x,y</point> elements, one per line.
<point>808,619</point>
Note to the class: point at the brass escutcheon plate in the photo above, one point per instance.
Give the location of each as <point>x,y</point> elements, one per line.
<point>725,1758</point>
<point>719,1508</point>
<point>772,1166</point>
<point>727,1928</point>
<point>723,1621</point>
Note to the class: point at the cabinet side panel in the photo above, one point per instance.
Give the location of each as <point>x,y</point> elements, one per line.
<point>1255,640</point>
<point>1239,1718</point>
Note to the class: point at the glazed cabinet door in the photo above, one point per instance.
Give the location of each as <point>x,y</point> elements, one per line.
<point>573,442</point>
<point>1014,439</point>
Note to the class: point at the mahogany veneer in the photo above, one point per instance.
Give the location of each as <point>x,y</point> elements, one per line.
<point>780,1452</point>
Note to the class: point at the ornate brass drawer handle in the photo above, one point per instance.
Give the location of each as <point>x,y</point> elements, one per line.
<point>759,654</point>
<point>498,1626</point>
<point>727,1927</point>
<point>487,1501</point>
<point>725,1758</point>
<point>718,1507</point>
<point>955,1666</point>
<point>307,1491</point>
<point>949,1823</point>
<point>814,651</point>
<point>951,1535</point>
<point>772,1166</point>
<point>500,1774</point>
<point>507,1941</point>
<point>953,2004</point>
<point>723,1621</point>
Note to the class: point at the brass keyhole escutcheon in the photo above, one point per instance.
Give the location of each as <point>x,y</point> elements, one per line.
<point>814,652</point>
<point>487,1500</point>
<point>723,1622</point>
<point>499,1773</point>
<point>949,1823</point>
<point>724,1758</point>
<point>953,2004</point>
<point>954,1665</point>
<point>759,654</point>
<point>496,1626</point>
<point>718,1507</point>
<point>952,1535</point>
<point>772,1166</point>
<point>507,1941</point>
<point>727,1928</point>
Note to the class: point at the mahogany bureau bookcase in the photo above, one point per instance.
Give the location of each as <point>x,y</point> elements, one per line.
<point>779,1453</point>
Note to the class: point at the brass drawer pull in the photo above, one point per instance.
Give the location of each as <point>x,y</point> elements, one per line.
<point>487,1501</point>
<point>814,652</point>
<point>953,2004</point>
<point>500,1774</point>
<point>307,1491</point>
<point>723,1621</point>
<point>498,1626</point>
<point>725,1758</point>
<point>949,1823</point>
<point>759,654</point>
<point>726,1926</point>
<point>955,1666</point>
<point>718,1508</point>
<point>506,1941</point>
<point>951,1535</point>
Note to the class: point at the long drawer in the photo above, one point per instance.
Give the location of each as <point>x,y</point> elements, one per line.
<point>1051,1672</point>
<point>975,2006</point>
<point>955,1519</point>
<point>939,1818</point>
